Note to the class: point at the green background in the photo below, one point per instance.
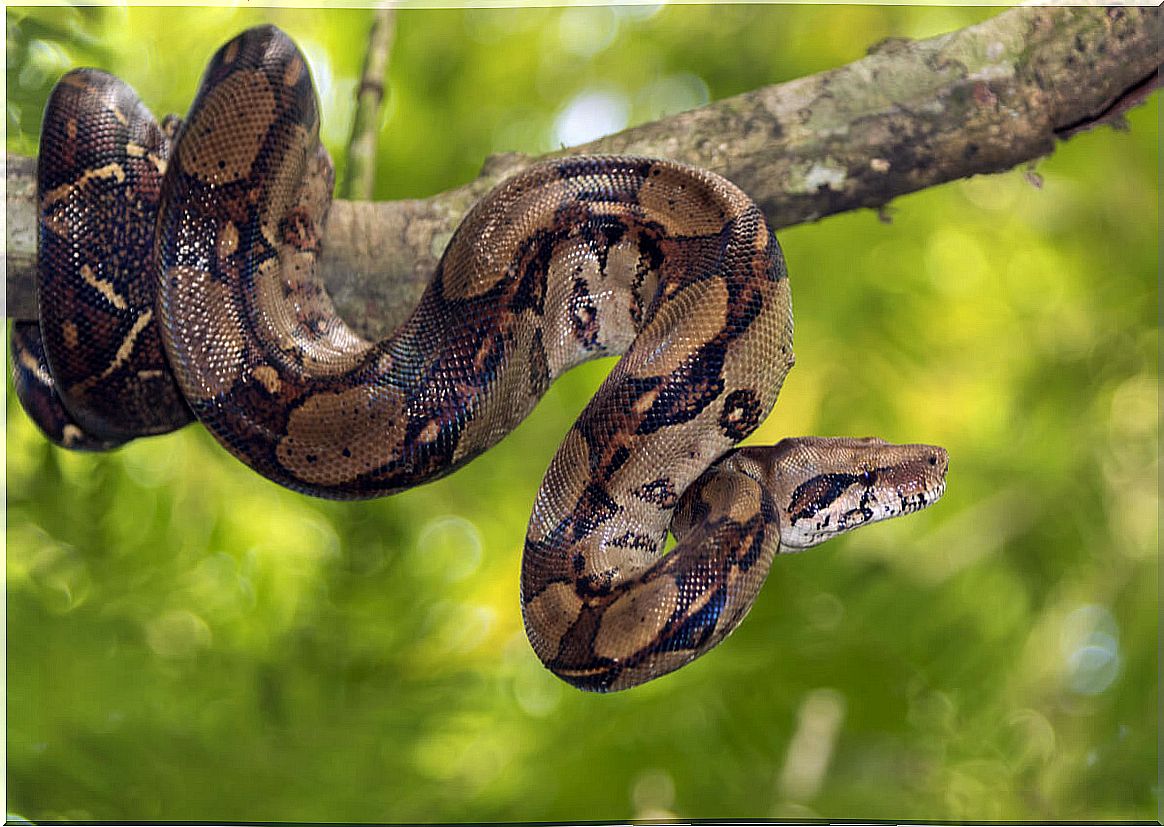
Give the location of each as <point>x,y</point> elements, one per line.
<point>188,641</point>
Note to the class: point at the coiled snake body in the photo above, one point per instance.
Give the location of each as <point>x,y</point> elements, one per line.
<point>180,280</point>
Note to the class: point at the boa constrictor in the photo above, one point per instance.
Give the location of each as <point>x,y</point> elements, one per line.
<point>177,279</point>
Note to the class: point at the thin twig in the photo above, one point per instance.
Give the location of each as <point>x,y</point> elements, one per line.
<point>360,178</point>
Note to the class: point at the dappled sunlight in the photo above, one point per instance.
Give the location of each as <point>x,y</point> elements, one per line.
<point>176,623</point>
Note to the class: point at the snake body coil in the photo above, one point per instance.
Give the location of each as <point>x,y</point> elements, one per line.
<point>183,280</point>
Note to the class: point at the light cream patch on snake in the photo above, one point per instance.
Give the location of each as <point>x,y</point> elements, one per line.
<point>214,322</point>
<point>677,330</point>
<point>561,345</point>
<point>565,491</point>
<point>616,303</point>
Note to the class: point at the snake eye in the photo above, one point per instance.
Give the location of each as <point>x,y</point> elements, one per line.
<point>868,477</point>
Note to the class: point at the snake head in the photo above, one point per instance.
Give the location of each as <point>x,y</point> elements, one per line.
<point>826,486</point>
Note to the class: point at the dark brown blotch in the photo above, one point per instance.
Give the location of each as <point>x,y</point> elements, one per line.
<point>741,413</point>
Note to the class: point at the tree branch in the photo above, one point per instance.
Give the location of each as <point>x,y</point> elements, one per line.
<point>908,116</point>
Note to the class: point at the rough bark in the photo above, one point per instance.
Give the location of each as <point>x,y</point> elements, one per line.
<point>910,115</point>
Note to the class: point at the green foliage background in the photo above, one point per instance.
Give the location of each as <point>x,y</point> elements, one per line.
<point>187,641</point>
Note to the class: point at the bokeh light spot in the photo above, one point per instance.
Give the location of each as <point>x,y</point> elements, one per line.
<point>448,547</point>
<point>1094,667</point>
<point>590,115</point>
<point>653,794</point>
<point>177,634</point>
<point>537,691</point>
<point>587,30</point>
<point>1090,644</point>
<point>810,751</point>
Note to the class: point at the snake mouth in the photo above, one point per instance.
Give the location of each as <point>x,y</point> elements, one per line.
<point>916,502</point>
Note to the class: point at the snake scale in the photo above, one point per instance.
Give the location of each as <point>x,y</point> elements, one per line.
<point>177,281</point>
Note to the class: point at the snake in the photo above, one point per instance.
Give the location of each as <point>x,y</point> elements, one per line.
<point>177,280</point>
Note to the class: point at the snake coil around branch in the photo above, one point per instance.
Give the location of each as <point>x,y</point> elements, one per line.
<point>177,280</point>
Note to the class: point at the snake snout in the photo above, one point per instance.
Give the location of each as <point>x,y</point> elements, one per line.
<point>918,473</point>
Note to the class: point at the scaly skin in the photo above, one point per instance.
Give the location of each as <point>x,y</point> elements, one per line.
<point>671,266</point>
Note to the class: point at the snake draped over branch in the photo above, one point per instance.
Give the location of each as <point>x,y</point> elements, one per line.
<point>177,280</point>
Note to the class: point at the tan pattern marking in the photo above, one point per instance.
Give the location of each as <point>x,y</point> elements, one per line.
<point>333,437</point>
<point>429,433</point>
<point>76,81</point>
<point>69,333</point>
<point>293,72</point>
<point>128,343</point>
<point>124,351</point>
<point>105,288</point>
<point>31,363</point>
<point>680,328</point>
<point>635,619</point>
<point>231,51</point>
<point>227,240</point>
<point>268,377</point>
<point>705,207</point>
<point>112,170</point>
<point>215,155</point>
